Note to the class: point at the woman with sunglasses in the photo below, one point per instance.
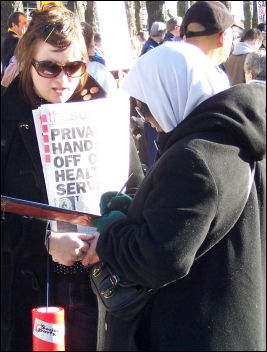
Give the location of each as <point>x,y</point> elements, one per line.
<point>53,61</point>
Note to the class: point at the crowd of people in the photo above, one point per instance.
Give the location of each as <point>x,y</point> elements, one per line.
<point>194,228</point>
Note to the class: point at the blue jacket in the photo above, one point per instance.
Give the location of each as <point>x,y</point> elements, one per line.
<point>150,44</point>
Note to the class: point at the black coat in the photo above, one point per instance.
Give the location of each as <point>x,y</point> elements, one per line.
<point>23,268</point>
<point>191,229</point>
<point>8,46</point>
<point>149,44</point>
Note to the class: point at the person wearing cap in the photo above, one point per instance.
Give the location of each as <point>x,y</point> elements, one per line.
<point>208,25</point>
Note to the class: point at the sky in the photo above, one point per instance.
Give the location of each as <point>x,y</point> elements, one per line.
<point>237,8</point>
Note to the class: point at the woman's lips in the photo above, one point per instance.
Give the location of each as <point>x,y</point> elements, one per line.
<point>59,91</point>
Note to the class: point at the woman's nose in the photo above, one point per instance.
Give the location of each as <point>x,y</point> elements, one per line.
<point>62,77</point>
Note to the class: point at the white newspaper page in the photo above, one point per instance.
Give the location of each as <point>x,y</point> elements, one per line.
<point>84,149</point>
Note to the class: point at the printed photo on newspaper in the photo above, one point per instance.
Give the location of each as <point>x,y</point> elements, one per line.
<point>84,149</point>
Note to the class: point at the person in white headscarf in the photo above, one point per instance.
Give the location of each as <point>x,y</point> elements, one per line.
<point>182,76</point>
<point>195,230</point>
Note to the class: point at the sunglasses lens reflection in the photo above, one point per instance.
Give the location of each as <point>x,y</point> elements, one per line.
<point>49,70</point>
<point>75,69</point>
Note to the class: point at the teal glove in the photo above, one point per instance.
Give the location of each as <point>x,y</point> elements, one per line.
<point>109,201</point>
<point>101,222</point>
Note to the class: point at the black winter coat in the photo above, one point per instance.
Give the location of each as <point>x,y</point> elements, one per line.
<point>8,46</point>
<point>149,44</point>
<point>23,254</point>
<point>191,228</point>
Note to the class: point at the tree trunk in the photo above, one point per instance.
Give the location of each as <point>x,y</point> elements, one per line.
<point>8,7</point>
<point>156,11</point>
<point>227,4</point>
<point>80,8</point>
<point>71,5</point>
<point>86,11</point>
<point>138,16</point>
<point>247,14</point>
<point>130,10</point>
<point>255,15</point>
<point>91,16</point>
<point>183,6</point>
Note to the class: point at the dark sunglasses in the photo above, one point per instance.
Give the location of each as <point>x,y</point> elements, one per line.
<point>48,69</point>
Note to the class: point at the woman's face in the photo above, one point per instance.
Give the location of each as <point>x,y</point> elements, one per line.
<point>60,88</point>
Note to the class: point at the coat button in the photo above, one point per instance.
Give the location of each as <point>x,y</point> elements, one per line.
<point>25,125</point>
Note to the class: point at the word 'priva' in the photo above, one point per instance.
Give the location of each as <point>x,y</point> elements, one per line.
<point>71,133</point>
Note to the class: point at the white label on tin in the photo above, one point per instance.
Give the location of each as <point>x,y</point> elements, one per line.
<point>48,332</point>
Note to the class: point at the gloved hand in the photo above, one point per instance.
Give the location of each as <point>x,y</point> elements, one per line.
<point>109,201</point>
<point>101,222</point>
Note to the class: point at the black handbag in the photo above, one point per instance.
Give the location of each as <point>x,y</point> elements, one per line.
<point>121,298</point>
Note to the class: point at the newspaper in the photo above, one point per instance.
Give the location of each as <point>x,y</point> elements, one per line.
<point>84,149</point>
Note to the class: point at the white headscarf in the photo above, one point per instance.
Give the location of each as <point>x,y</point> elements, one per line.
<point>172,80</point>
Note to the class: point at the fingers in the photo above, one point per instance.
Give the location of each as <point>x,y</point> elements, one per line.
<point>91,256</point>
<point>67,248</point>
<point>86,236</point>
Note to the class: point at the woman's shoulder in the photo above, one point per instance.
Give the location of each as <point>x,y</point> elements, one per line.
<point>13,106</point>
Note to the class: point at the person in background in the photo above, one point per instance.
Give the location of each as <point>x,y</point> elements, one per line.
<point>99,53</point>
<point>173,27</point>
<point>157,33</point>
<point>142,40</point>
<point>255,66</point>
<point>237,34</point>
<point>262,28</point>
<point>208,25</point>
<point>10,73</point>
<point>234,66</point>
<point>95,69</point>
<point>53,69</point>
<point>17,25</point>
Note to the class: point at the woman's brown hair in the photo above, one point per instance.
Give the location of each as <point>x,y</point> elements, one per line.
<point>57,26</point>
